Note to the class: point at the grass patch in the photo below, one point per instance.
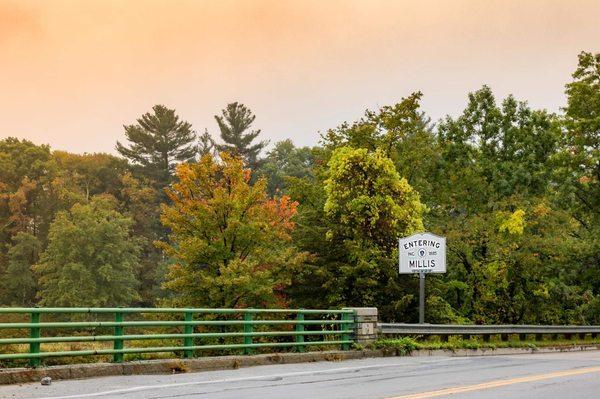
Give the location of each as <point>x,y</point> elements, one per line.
<point>149,343</point>
<point>406,345</point>
<point>397,345</point>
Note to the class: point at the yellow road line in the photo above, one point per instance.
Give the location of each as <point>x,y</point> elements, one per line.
<point>498,383</point>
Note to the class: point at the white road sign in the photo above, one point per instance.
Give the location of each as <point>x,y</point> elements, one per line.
<point>423,253</point>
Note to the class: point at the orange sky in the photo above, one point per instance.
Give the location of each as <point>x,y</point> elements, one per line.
<point>72,72</point>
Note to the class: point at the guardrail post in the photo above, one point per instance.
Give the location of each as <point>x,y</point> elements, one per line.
<point>594,335</point>
<point>504,337</point>
<point>522,337</point>
<point>188,341</point>
<point>248,329</point>
<point>300,329</point>
<point>34,332</point>
<point>568,336</point>
<point>118,343</point>
<point>539,337</point>
<point>486,337</point>
<point>582,336</point>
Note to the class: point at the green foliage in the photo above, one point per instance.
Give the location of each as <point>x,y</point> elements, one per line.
<point>235,120</point>
<point>365,206</point>
<point>491,152</point>
<point>514,223</point>
<point>406,345</point>
<point>26,174</point>
<point>141,202</point>
<point>286,161</point>
<point>384,130</point>
<point>19,284</point>
<point>91,258</point>
<point>403,133</point>
<point>402,346</point>
<point>439,311</point>
<point>514,189</point>
<point>578,166</point>
<point>206,145</point>
<point>158,142</point>
<point>229,241</point>
<point>512,276</point>
<point>28,199</point>
<point>368,200</point>
<point>84,176</point>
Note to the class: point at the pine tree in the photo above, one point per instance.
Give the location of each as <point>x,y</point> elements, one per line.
<point>159,141</point>
<point>234,121</point>
<point>206,145</point>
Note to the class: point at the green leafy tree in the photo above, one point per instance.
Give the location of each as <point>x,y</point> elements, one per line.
<point>474,173</point>
<point>507,244</point>
<point>19,283</point>
<point>581,156</point>
<point>141,202</point>
<point>234,123</point>
<point>317,283</point>
<point>578,172</point>
<point>28,201</point>
<point>403,133</point>
<point>369,206</point>
<point>91,258</point>
<point>158,142</point>
<point>26,173</point>
<point>359,262</point>
<point>89,174</point>
<point>369,200</point>
<point>492,152</point>
<point>383,129</point>
<point>512,267</point>
<point>229,241</point>
<point>284,161</point>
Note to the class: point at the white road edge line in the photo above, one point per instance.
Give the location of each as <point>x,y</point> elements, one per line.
<point>225,380</point>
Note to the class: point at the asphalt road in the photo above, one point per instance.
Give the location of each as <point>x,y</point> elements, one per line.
<point>539,376</point>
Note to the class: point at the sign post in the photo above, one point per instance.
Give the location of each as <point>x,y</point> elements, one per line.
<point>422,253</point>
<point>421,297</point>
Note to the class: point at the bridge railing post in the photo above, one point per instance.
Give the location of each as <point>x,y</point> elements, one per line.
<point>248,329</point>
<point>118,343</point>
<point>34,332</point>
<point>299,331</point>
<point>365,325</point>
<point>188,341</point>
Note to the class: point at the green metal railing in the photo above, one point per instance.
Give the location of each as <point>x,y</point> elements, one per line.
<point>306,327</point>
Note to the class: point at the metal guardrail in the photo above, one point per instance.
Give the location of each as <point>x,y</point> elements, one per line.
<point>445,330</point>
<point>328,323</point>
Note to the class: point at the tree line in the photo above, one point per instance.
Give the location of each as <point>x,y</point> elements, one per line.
<point>180,219</point>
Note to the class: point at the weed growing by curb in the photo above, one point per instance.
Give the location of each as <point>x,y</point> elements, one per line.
<point>406,345</point>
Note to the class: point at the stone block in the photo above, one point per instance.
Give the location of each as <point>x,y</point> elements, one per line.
<point>365,325</point>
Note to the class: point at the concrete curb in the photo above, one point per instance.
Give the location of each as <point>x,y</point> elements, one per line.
<point>171,366</point>
<point>503,351</point>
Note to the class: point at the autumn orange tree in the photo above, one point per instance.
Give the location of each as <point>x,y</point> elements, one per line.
<point>230,242</point>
